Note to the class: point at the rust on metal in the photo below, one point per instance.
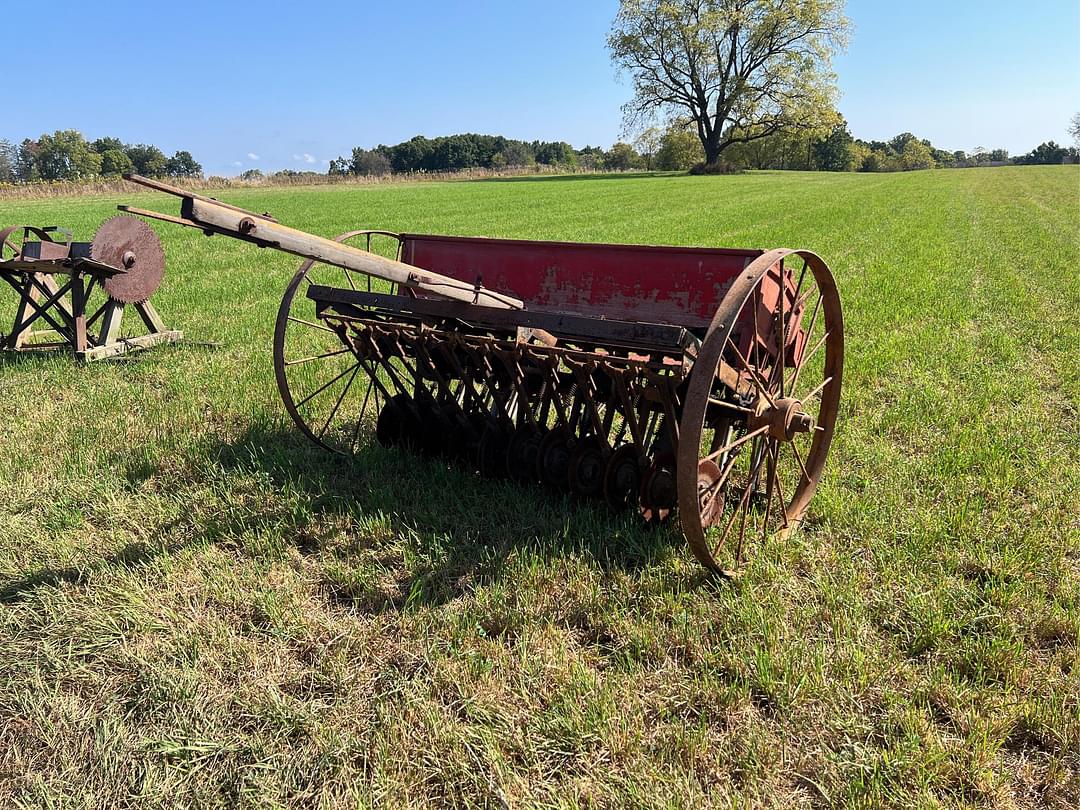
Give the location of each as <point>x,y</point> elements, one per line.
<point>72,295</point>
<point>129,243</point>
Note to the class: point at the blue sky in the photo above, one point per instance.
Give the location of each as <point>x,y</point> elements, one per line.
<point>290,85</point>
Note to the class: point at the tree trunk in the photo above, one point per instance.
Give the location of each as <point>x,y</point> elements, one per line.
<point>712,148</point>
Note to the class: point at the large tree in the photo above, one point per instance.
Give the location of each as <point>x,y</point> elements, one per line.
<point>148,160</point>
<point>736,70</point>
<point>65,155</point>
<point>182,164</point>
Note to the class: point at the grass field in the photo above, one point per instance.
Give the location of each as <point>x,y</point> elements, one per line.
<point>198,608</point>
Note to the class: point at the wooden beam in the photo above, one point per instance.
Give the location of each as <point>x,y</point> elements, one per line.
<point>125,345</point>
<point>231,222</point>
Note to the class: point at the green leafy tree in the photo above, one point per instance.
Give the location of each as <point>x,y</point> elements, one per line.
<point>26,166</point>
<point>8,156</point>
<point>516,153</point>
<point>182,164</point>
<point>622,157</point>
<point>915,155</point>
<point>147,160</point>
<point>252,174</point>
<point>65,155</point>
<point>833,153</point>
<point>369,162</point>
<point>737,70</point>
<point>873,161</point>
<point>1045,154</point>
<point>858,153</point>
<point>679,150</point>
<point>647,145</point>
<point>115,162</point>
<point>455,153</point>
<point>103,145</point>
<point>590,158</point>
<point>1074,130</point>
<point>897,144</point>
<point>556,153</point>
<point>412,155</point>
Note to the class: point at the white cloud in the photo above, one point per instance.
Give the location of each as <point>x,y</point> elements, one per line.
<point>237,164</point>
<point>252,156</point>
<point>305,158</point>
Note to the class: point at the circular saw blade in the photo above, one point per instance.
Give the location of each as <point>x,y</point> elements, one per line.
<point>131,244</point>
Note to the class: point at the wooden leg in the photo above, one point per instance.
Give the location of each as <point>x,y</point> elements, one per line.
<point>78,312</point>
<point>110,323</point>
<point>150,317</point>
<point>17,340</point>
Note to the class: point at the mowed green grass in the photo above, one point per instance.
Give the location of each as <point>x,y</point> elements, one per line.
<point>198,608</point>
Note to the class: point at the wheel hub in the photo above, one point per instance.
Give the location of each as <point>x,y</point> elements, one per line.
<point>784,419</point>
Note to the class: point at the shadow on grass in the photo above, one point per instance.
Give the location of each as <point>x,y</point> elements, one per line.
<point>450,529</point>
<point>459,529</point>
<point>131,555</point>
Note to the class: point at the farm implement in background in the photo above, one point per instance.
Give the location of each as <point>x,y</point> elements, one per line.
<point>72,295</point>
<point>705,380</point>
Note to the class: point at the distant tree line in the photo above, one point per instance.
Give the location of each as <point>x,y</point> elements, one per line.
<point>673,149</point>
<point>67,155</point>
<point>678,148</point>
<point>454,153</point>
<point>837,150</point>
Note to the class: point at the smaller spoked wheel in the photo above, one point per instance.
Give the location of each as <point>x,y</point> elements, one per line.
<point>335,397</point>
<point>760,409</point>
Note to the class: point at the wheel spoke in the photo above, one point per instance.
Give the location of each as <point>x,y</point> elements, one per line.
<point>806,359</point>
<point>752,434</point>
<point>817,390</point>
<point>754,376</point>
<point>798,458</point>
<point>340,399</point>
<point>714,488</point>
<point>742,501</point>
<point>316,357</point>
<point>720,403</point>
<point>312,325</point>
<point>809,333</point>
<point>754,304</point>
<point>360,416</point>
<point>323,387</point>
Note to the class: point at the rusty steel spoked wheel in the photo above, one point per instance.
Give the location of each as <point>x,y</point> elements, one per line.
<point>760,409</point>
<point>327,389</point>
<point>9,243</point>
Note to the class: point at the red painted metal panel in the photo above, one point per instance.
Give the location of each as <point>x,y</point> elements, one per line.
<point>671,285</point>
